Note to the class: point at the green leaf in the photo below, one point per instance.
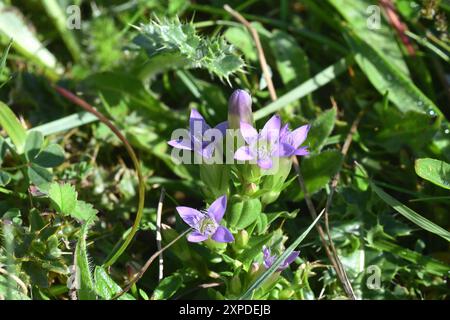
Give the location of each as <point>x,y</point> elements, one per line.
<point>3,148</point>
<point>263,277</point>
<point>63,198</point>
<point>321,129</point>
<point>33,144</point>
<point>240,38</point>
<point>243,213</point>
<point>3,59</point>
<point>381,38</point>
<point>39,176</point>
<point>172,44</point>
<point>105,287</point>
<point>5,178</point>
<point>386,77</point>
<point>317,171</point>
<point>13,127</point>
<point>52,156</point>
<point>429,264</point>
<point>435,171</point>
<point>59,19</point>
<point>14,26</point>
<point>83,211</point>
<point>168,287</point>
<point>291,60</point>
<point>411,214</point>
<point>66,123</point>
<point>85,282</point>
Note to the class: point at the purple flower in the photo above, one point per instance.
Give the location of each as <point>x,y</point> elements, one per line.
<point>197,129</point>
<point>295,139</point>
<point>264,146</point>
<point>269,259</point>
<point>239,109</point>
<point>207,223</point>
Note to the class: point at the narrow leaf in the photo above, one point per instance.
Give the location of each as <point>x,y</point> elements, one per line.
<point>85,282</point>
<point>13,127</point>
<point>411,214</point>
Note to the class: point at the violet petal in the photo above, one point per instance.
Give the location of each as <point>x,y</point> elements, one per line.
<point>243,153</point>
<point>189,215</point>
<point>248,132</point>
<point>222,234</point>
<point>299,135</point>
<point>196,236</point>
<point>218,208</point>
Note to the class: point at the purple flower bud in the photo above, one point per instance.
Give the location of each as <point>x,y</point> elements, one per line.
<point>269,259</point>
<point>239,109</point>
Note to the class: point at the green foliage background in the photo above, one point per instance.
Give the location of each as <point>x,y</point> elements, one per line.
<point>68,190</point>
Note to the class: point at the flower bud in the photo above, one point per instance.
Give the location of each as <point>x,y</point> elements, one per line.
<point>239,109</point>
<point>235,286</point>
<point>242,239</point>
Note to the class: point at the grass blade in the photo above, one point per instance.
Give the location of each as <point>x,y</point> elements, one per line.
<point>66,123</point>
<point>429,264</point>
<point>13,25</point>
<point>319,80</point>
<point>59,18</point>
<point>411,214</point>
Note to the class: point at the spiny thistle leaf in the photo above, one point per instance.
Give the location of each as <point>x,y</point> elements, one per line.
<point>170,43</point>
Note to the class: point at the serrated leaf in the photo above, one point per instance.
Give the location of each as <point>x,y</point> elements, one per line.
<point>33,144</point>
<point>63,198</point>
<point>52,156</point>
<point>180,46</point>
<point>83,211</point>
<point>435,171</point>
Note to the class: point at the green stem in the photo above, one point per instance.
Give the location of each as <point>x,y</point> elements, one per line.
<point>83,104</point>
<point>19,195</point>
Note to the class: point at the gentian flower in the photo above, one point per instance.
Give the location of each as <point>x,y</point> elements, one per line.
<point>197,129</point>
<point>269,259</point>
<point>264,146</point>
<point>239,109</point>
<point>295,139</point>
<point>206,224</point>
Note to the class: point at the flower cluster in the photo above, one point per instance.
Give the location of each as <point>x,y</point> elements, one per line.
<point>252,168</point>
<point>273,141</point>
